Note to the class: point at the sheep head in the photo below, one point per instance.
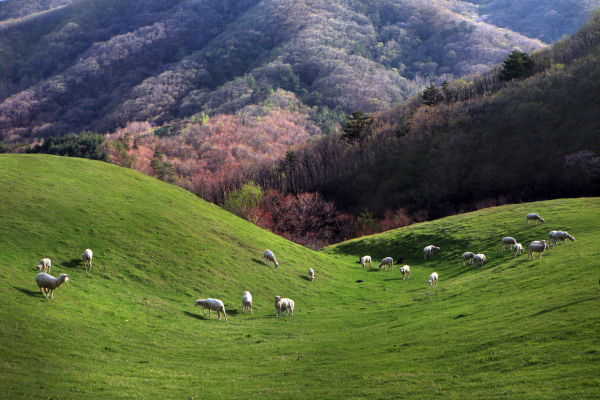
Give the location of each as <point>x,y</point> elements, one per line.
<point>199,303</point>
<point>63,278</point>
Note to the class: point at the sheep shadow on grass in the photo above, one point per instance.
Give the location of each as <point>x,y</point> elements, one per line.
<point>32,293</point>
<point>259,261</point>
<point>306,278</point>
<point>73,264</point>
<point>200,316</point>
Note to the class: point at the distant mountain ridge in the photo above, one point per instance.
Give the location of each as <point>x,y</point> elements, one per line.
<point>99,65</point>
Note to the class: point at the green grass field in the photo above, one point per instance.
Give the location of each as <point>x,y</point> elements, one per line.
<point>514,328</point>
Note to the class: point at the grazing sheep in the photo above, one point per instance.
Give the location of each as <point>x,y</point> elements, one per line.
<point>429,250</point>
<point>551,236</point>
<point>433,278</point>
<point>405,272</point>
<point>479,258</point>
<point>212,305</point>
<point>284,304</point>
<point>467,256</point>
<point>562,236</point>
<point>508,240</point>
<point>544,242</point>
<point>364,260</point>
<point>87,258</point>
<point>533,217</point>
<point>387,262</point>
<point>518,248</point>
<point>50,283</point>
<point>536,248</point>
<point>311,274</point>
<point>45,265</point>
<point>247,302</point>
<point>270,257</point>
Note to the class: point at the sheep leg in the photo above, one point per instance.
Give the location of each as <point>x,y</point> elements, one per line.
<point>225,315</point>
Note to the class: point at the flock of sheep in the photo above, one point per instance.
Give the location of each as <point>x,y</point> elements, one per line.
<point>281,304</point>
<point>48,284</point>
<point>537,246</point>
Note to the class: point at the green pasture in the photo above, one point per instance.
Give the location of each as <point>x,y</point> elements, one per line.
<point>128,328</point>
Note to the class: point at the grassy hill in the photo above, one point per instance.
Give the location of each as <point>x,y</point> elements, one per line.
<point>128,328</point>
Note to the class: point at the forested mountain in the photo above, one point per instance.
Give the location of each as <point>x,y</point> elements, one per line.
<point>100,64</point>
<point>475,143</point>
<point>547,20</point>
<point>15,9</point>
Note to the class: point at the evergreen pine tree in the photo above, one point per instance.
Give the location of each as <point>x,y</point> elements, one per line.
<point>518,65</point>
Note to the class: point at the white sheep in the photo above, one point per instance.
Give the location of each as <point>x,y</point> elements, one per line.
<point>405,272</point>
<point>508,240</point>
<point>536,248</point>
<point>479,258</point>
<point>433,278</point>
<point>270,258</point>
<point>387,262</point>
<point>247,302</point>
<point>533,217</point>
<point>429,250</point>
<point>562,236</point>
<point>50,283</point>
<point>551,236</point>
<point>87,258</point>
<point>518,248</point>
<point>284,304</point>
<point>311,274</point>
<point>364,260</point>
<point>467,256</point>
<point>212,305</point>
<point>544,242</point>
<point>45,265</point>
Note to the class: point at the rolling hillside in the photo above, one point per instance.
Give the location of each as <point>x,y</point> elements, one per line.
<point>128,328</point>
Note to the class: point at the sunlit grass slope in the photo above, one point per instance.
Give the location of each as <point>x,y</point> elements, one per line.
<point>128,328</point>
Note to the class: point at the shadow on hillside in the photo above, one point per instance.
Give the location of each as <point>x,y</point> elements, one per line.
<point>232,311</point>
<point>256,260</point>
<point>563,306</point>
<point>73,264</point>
<point>197,316</point>
<point>306,278</point>
<point>213,315</point>
<point>32,293</point>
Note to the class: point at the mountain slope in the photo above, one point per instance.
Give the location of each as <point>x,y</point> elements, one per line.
<point>548,20</point>
<point>99,65</point>
<point>128,328</point>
